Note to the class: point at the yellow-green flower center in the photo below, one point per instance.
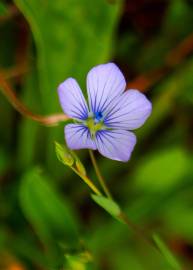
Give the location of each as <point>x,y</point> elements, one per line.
<point>94,126</point>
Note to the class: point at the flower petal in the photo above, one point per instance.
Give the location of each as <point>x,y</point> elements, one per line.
<point>115,144</point>
<point>78,137</point>
<point>129,111</point>
<point>104,83</point>
<point>72,100</point>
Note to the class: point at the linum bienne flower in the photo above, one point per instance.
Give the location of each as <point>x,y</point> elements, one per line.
<point>104,122</point>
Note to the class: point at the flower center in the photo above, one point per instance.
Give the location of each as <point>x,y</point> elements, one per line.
<point>95,123</point>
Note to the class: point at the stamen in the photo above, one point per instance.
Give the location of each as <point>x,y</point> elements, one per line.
<point>98,116</point>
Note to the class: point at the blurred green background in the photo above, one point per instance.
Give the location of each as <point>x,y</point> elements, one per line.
<point>47,218</point>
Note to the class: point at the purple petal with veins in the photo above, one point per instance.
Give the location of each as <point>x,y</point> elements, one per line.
<point>78,137</point>
<point>111,113</point>
<point>129,111</point>
<point>104,83</point>
<point>72,100</point>
<point>115,144</point>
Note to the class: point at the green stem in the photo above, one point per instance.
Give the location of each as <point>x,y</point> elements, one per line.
<point>99,175</point>
<point>87,181</point>
<point>123,217</point>
<point>154,241</point>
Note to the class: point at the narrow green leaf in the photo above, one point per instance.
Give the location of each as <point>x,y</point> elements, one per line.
<point>166,253</point>
<point>109,205</point>
<point>63,154</point>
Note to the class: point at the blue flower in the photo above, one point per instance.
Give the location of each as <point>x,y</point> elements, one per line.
<point>104,124</point>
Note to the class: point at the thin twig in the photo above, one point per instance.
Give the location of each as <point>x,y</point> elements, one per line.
<point>144,81</point>
<point>49,120</point>
<point>184,48</point>
<point>14,72</point>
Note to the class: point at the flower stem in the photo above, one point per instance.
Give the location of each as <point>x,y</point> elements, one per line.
<point>87,181</point>
<point>123,217</point>
<point>99,175</point>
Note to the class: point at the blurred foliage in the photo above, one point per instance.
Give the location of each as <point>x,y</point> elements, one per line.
<point>47,217</point>
<point>3,9</point>
<point>44,216</point>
